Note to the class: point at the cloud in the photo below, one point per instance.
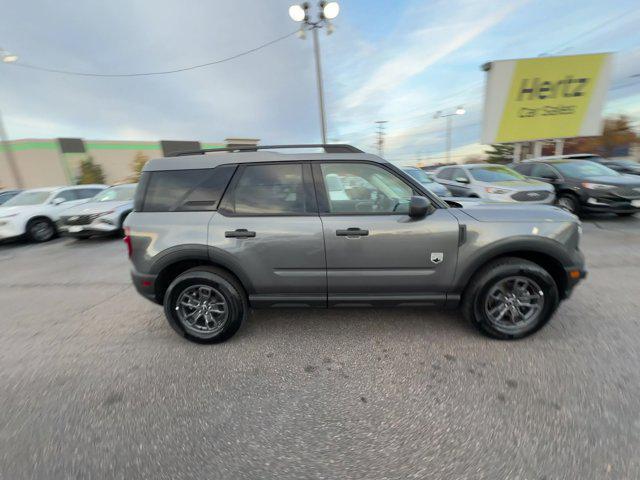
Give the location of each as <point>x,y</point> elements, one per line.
<point>425,47</point>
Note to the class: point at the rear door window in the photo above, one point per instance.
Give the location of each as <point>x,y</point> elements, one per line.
<point>270,189</point>
<point>185,190</point>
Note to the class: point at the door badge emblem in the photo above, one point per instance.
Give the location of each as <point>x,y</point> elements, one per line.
<point>437,257</point>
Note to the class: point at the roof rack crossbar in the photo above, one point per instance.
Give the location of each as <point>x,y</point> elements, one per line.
<point>328,148</point>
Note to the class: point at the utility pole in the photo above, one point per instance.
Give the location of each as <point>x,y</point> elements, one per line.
<point>8,57</point>
<point>381,133</point>
<point>449,116</point>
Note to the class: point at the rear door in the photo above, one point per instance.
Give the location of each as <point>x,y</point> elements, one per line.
<point>376,253</point>
<point>268,228</point>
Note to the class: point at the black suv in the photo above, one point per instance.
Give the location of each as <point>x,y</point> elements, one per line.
<point>584,186</point>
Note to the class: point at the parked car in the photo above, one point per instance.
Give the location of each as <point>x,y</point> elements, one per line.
<point>493,182</point>
<point>628,167</point>
<point>584,186</point>
<point>34,212</point>
<point>101,215</point>
<point>215,234</point>
<point>5,195</point>
<point>427,181</point>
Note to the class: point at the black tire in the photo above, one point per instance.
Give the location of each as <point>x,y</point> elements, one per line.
<point>221,282</point>
<point>478,289</point>
<point>569,202</point>
<point>40,230</point>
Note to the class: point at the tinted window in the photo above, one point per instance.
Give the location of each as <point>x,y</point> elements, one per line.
<point>28,198</point>
<point>66,195</point>
<point>540,170</point>
<point>523,168</point>
<point>584,169</point>
<point>419,175</point>
<point>495,174</point>
<point>87,192</point>
<point>364,188</point>
<point>445,174</point>
<point>121,193</point>
<point>457,173</point>
<point>186,190</point>
<point>270,190</point>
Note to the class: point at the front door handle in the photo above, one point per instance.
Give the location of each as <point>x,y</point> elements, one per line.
<point>240,233</point>
<point>352,232</point>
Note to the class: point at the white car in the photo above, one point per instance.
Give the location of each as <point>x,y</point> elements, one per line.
<point>34,212</point>
<point>101,215</point>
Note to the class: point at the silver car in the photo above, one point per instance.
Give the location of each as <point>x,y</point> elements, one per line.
<point>428,182</point>
<point>101,215</point>
<point>494,182</point>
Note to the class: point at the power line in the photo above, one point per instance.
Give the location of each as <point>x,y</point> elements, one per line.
<point>161,72</point>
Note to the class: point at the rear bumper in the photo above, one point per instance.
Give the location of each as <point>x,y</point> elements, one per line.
<point>145,285</point>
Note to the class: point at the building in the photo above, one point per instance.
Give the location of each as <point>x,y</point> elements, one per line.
<point>46,162</point>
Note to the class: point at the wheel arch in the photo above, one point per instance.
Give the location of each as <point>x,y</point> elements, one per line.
<point>544,252</point>
<point>175,263</point>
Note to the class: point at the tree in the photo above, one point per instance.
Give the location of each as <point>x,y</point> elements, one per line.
<point>90,172</point>
<point>138,164</point>
<point>500,153</point>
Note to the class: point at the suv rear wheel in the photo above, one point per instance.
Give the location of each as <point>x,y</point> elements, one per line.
<point>570,203</point>
<point>510,298</point>
<point>205,305</point>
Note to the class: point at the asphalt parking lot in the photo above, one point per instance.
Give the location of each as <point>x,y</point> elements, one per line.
<point>95,384</point>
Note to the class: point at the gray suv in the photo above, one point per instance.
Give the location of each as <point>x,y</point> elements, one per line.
<point>217,232</point>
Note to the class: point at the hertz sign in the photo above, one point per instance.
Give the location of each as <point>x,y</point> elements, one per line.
<point>545,98</point>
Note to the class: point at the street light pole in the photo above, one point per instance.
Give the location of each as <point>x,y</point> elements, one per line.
<point>323,118</point>
<point>328,11</point>
<point>4,139</point>
<point>449,116</point>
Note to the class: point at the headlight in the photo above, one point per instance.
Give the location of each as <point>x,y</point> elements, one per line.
<point>597,186</point>
<point>497,191</point>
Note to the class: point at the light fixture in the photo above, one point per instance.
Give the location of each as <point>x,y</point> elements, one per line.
<point>331,10</point>
<point>460,111</point>
<point>297,13</point>
<point>8,57</point>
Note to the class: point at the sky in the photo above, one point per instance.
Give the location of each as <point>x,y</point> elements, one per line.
<point>399,61</point>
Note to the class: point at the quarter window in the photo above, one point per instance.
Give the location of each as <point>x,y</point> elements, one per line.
<point>273,189</point>
<point>356,188</point>
<point>186,190</point>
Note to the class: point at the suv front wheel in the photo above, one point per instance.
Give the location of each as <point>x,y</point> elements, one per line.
<point>205,305</point>
<point>510,298</point>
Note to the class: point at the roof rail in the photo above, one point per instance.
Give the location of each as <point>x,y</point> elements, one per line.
<point>328,148</point>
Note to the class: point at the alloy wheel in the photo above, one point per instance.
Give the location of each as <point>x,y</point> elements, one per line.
<point>202,310</point>
<point>514,303</point>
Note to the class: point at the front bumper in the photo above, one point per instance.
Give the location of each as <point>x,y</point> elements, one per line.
<point>507,198</point>
<point>609,204</point>
<point>574,274</point>
<point>96,227</point>
<point>9,230</point>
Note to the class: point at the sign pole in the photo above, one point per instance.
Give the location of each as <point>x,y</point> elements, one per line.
<point>517,152</point>
<point>559,146</point>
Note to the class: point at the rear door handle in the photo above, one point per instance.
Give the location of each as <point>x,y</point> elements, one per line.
<point>240,233</point>
<point>352,232</point>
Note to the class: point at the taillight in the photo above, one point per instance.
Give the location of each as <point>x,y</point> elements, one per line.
<point>127,240</point>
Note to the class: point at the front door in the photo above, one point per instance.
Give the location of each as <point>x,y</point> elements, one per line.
<point>268,227</point>
<point>375,252</point>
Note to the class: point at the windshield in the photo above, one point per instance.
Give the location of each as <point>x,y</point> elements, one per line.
<point>419,175</point>
<point>584,169</point>
<point>121,193</point>
<point>28,198</point>
<point>495,174</point>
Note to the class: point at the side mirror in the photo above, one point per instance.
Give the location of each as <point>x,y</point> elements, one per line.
<point>462,180</point>
<point>57,200</point>
<point>420,207</point>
